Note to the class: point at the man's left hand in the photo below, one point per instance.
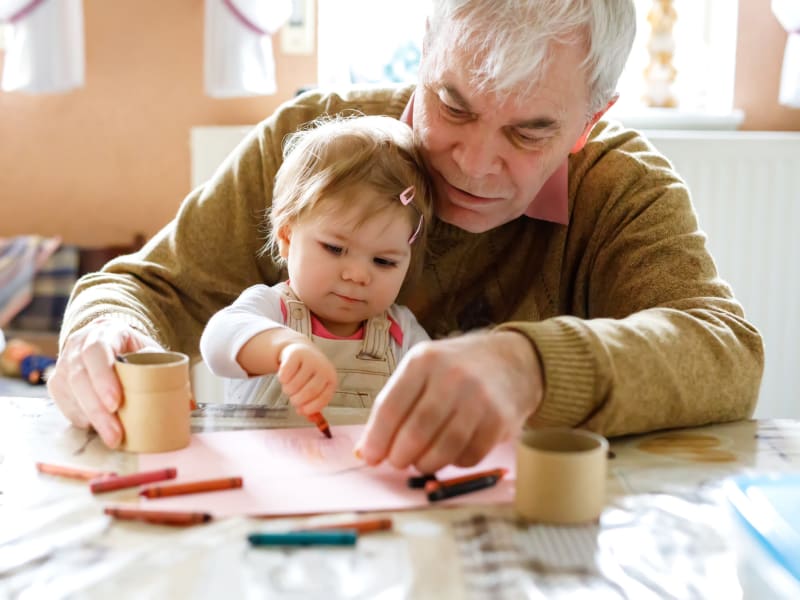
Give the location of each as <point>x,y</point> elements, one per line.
<point>451,401</point>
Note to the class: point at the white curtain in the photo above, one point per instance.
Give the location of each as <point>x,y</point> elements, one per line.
<point>238,46</point>
<point>45,47</point>
<point>788,13</point>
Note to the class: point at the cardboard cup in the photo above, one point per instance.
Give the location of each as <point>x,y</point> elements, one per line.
<point>561,475</point>
<point>156,401</point>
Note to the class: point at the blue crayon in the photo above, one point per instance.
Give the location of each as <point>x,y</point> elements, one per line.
<point>339,537</point>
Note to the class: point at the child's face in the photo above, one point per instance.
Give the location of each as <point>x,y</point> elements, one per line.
<point>343,273</point>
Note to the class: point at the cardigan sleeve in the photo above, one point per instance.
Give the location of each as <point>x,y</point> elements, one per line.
<point>654,337</point>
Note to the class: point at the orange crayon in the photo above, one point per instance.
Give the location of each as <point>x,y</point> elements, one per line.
<point>72,472</point>
<point>192,487</point>
<point>321,423</point>
<point>359,526</point>
<point>158,517</point>
<point>110,484</point>
<point>435,484</point>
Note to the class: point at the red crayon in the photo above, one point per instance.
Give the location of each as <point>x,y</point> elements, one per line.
<point>109,484</point>
<point>435,484</point>
<point>72,472</point>
<point>321,423</point>
<point>192,487</point>
<point>361,527</point>
<point>158,517</point>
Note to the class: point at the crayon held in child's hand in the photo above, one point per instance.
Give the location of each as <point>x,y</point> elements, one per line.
<point>109,484</point>
<point>72,472</point>
<point>158,517</point>
<point>321,423</point>
<point>192,487</point>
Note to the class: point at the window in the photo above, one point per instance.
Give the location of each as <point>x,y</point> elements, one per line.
<point>379,41</point>
<point>370,41</point>
<point>3,35</point>
<point>705,54</point>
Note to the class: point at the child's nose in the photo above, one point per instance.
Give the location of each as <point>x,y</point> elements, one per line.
<point>356,272</point>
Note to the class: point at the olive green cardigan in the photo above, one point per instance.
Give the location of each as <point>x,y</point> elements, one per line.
<point>634,327</point>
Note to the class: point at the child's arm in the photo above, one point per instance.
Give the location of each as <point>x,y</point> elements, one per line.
<point>307,376</point>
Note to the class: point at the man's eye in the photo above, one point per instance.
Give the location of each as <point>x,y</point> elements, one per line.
<point>384,262</point>
<point>454,112</point>
<point>528,140</point>
<point>336,250</point>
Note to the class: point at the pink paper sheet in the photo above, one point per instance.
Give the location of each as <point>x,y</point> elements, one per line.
<point>298,471</point>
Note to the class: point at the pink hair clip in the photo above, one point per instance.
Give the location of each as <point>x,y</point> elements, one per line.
<point>406,197</point>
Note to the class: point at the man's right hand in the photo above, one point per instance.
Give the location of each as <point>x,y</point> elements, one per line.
<point>84,384</point>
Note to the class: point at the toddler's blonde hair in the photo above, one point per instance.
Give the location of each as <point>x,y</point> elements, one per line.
<point>334,153</point>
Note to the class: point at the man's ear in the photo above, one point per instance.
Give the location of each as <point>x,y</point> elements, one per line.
<point>284,239</point>
<point>581,142</point>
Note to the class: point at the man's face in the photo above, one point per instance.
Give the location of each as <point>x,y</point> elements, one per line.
<point>345,273</point>
<point>490,157</point>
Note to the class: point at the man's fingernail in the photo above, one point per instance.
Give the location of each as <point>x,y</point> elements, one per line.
<point>357,453</point>
<point>113,435</point>
<point>111,403</point>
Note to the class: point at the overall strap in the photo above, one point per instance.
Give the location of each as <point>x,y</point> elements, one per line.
<point>376,338</point>
<point>297,315</point>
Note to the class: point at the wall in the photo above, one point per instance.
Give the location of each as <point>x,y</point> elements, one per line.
<point>102,163</point>
<point>759,56</point>
<point>108,161</point>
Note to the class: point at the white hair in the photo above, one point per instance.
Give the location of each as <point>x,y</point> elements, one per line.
<point>513,39</point>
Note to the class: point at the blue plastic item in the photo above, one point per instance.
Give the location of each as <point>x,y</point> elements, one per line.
<point>769,507</point>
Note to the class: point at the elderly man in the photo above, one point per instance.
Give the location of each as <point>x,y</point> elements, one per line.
<point>565,251</point>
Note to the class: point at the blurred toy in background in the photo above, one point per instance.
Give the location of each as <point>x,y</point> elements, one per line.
<point>25,360</point>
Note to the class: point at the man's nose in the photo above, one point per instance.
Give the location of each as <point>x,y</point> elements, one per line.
<point>476,154</point>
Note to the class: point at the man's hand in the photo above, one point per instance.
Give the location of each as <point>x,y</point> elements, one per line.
<point>307,377</point>
<point>84,384</point>
<point>451,401</point>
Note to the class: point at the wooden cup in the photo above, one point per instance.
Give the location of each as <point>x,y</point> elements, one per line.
<point>561,476</point>
<point>156,401</point>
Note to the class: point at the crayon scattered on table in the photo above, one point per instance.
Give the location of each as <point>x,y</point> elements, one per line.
<point>435,484</point>
<point>192,487</point>
<point>338,537</point>
<point>419,481</point>
<point>110,484</point>
<point>72,472</point>
<point>158,517</point>
<point>361,527</point>
<point>465,487</point>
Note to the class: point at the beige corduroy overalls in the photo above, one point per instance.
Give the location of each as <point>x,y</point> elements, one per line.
<point>363,365</point>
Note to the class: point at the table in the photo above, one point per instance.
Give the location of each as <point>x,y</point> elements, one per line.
<point>480,551</point>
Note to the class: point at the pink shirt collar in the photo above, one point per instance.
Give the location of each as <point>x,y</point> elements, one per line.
<point>318,329</point>
<point>552,201</point>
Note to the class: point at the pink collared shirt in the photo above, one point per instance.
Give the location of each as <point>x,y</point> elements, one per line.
<point>552,201</point>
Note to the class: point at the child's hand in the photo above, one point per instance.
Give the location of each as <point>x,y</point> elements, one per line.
<point>307,377</point>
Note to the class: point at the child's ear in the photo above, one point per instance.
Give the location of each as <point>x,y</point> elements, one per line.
<point>284,239</point>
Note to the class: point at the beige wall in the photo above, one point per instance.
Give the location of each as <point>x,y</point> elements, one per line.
<point>100,164</point>
<point>759,55</point>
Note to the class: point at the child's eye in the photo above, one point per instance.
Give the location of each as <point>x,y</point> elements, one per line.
<point>384,262</point>
<point>336,250</point>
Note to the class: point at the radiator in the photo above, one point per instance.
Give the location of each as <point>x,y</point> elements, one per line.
<point>746,190</point>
